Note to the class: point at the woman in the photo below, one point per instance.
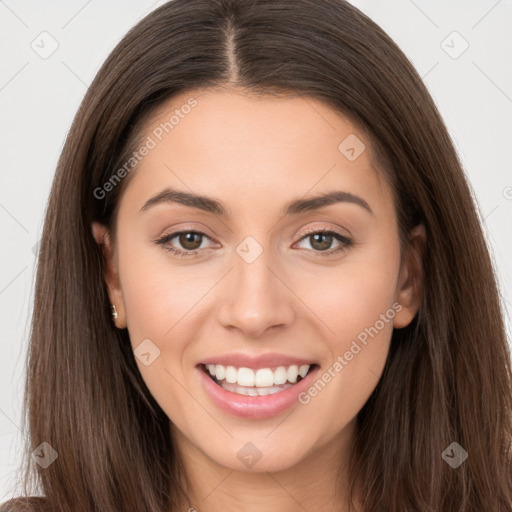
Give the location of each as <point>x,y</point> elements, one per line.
<point>263,282</point>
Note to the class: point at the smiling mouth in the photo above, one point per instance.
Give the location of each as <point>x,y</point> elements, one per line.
<point>261,382</point>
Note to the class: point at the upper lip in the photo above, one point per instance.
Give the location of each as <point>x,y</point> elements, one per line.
<point>246,360</point>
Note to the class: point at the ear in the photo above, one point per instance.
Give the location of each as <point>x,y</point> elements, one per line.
<point>111,275</point>
<point>410,283</point>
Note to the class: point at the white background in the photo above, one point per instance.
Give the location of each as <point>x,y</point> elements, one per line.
<point>39,97</point>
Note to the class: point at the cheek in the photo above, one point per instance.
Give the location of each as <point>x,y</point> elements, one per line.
<point>347,379</point>
<point>159,299</point>
<point>350,297</point>
<point>162,300</point>
<point>156,292</point>
<point>354,305</point>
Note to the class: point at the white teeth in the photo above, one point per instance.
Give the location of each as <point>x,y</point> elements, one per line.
<point>264,378</point>
<point>241,390</point>
<point>293,372</point>
<point>220,372</point>
<point>280,375</point>
<point>231,374</point>
<point>245,377</point>
<point>261,378</point>
<point>303,370</point>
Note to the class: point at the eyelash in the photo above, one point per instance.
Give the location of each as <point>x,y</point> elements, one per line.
<point>345,242</point>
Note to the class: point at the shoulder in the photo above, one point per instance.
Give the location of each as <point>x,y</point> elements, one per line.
<point>26,504</point>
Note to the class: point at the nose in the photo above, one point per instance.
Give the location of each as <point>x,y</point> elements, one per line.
<point>255,297</point>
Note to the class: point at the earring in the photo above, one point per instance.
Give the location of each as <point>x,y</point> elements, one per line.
<point>114,311</point>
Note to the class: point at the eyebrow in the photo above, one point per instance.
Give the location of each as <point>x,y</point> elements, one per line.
<point>294,207</point>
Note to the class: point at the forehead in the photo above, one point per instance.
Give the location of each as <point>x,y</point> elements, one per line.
<point>242,147</point>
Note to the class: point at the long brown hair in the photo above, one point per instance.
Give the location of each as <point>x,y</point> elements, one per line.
<point>448,374</point>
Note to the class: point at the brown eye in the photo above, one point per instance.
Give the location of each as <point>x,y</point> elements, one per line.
<point>321,241</point>
<point>183,243</point>
<point>190,240</point>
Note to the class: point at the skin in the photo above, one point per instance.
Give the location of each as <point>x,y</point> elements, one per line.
<point>254,154</point>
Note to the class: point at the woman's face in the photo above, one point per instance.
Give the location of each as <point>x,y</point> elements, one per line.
<point>255,288</point>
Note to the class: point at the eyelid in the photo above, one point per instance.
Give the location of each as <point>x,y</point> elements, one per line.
<point>203,229</point>
<point>323,230</point>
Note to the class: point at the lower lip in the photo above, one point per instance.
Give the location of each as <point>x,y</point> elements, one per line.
<point>254,407</point>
